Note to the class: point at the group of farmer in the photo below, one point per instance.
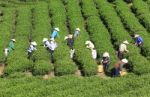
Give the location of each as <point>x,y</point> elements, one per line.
<point>51,45</point>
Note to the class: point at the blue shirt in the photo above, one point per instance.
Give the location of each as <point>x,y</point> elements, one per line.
<point>11,46</point>
<point>54,34</point>
<point>139,40</point>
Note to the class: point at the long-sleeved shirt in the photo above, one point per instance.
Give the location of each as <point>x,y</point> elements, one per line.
<point>94,54</point>
<point>123,48</point>
<point>54,34</point>
<point>31,48</point>
<point>70,42</point>
<point>52,45</point>
<point>46,44</point>
<point>11,46</point>
<point>139,40</point>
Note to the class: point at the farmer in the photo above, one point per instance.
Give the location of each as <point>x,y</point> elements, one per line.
<point>118,67</point>
<point>94,53</point>
<point>89,45</point>
<point>139,40</point>
<point>31,49</point>
<point>52,46</point>
<point>70,41</point>
<point>105,61</point>
<point>55,33</point>
<point>10,47</point>
<point>77,32</point>
<point>122,49</point>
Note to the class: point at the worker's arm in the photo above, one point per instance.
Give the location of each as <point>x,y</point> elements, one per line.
<point>125,48</point>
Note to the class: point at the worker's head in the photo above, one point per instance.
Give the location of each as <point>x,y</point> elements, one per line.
<point>87,42</point>
<point>34,43</point>
<point>57,29</point>
<point>126,42</point>
<point>13,40</point>
<point>77,29</point>
<point>45,39</point>
<point>136,36</point>
<point>70,36</point>
<point>124,61</point>
<point>106,54</point>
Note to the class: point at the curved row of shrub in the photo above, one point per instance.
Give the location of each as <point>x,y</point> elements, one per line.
<point>132,23</point>
<point>82,55</point>
<point>18,61</point>
<point>41,30</point>
<point>119,34</point>
<point>63,63</point>
<point>6,30</point>
<point>141,9</point>
<point>97,31</point>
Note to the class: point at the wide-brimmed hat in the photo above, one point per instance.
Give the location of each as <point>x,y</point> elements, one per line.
<point>78,29</point>
<point>57,29</point>
<point>106,54</point>
<point>45,39</point>
<point>34,43</point>
<point>124,61</point>
<point>126,42</point>
<point>14,40</point>
<point>87,42</point>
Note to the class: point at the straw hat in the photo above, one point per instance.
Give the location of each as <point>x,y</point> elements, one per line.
<point>87,42</point>
<point>52,39</point>
<point>136,35</point>
<point>57,29</point>
<point>45,39</point>
<point>106,54</point>
<point>124,61</point>
<point>126,42</point>
<point>13,40</point>
<point>78,29</point>
<point>34,43</point>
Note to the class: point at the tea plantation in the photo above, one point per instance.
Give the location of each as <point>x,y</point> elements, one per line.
<point>107,23</point>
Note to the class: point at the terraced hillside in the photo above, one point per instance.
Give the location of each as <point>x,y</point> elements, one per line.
<point>107,23</point>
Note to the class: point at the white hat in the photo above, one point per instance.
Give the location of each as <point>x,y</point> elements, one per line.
<point>14,40</point>
<point>45,39</point>
<point>78,29</point>
<point>126,42</point>
<point>106,54</point>
<point>87,42</point>
<point>66,37</point>
<point>124,61</point>
<point>52,39</point>
<point>57,29</point>
<point>136,35</point>
<point>34,43</point>
<point>70,36</point>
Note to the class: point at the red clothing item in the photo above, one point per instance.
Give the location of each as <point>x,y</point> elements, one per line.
<point>117,65</point>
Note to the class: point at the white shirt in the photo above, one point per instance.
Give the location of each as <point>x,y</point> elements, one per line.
<point>90,45</point>
<point>31,48</point>
<point>123,48</point>
<point>94,54</point>
<point>52,45</point>
<point>46,44</point>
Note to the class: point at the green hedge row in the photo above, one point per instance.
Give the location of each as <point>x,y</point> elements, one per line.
<point>83,55</point>
<point>41,30</point>
<point>132,23</point>
<point>141,9</point>
<point>97,31</point>
<point>63,63</point>
<point>119,34</point>
<point>18,61</point>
